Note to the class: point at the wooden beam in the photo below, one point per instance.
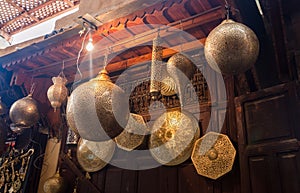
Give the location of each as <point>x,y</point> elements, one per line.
<point>71,4</point>
<point>5,35</point>
<point>65,159</point>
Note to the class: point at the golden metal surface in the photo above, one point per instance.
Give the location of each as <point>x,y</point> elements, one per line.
<point>156,67</point>
<point>100,109</point>
<point>181,69</point>
<point>57,93</point>
<point>70,115</point>
<point>180,62</point>
<point>55,184</point>
<point>168,87</point>
<point>93,156</point>
<point>24,112</point>
<point>134,133</point>
<point>213,155</point>
<point>173,136</point>
<point>231,47</point>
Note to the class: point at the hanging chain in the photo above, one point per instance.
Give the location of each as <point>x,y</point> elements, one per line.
<point>228,9</point>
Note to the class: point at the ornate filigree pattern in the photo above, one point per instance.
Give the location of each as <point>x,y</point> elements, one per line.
<point>213,155</point>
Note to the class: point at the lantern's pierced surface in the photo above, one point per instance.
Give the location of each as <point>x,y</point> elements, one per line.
<point>24,112</point>
<point>101,109</point>
<point>57,93</point>
<point>172,137</point>
<point>213,155</point>
<point>181,69</point>
<point>231,48</point>
<point>168,86</point>
<point>156,67</point>
<point>55,184</point>
<point>134,133</point>
<point>70,115</point>
<point>93,156</point>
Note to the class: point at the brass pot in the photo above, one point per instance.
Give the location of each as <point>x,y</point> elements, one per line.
<point>173,136</point>
<point>55,184</point>
<point>231,47</point>
<point>57,93</point>
<point>100,108</point>
<point>93,156</point>
<point>24,112</point>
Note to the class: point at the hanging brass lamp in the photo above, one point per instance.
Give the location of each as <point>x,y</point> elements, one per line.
<point>57,93</point>
<point>173,136</point>
<point>93,156</point>
<point>134,133</point>
<point>213,155</point>
<point>181,69</point>
<point>55,184</point>
<point>157,67</point>
<point>24,112</point>
<point>231,48</point>
<point>100,108</point>
<point>70,115</point>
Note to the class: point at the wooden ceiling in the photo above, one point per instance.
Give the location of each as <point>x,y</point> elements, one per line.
<point>43,60</point>
<point>18,15</point>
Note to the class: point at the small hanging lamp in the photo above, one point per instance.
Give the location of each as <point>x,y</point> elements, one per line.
<point>158,69</point>
<point>24,112</point>
<point>57,93</point>
<point>55,184</point>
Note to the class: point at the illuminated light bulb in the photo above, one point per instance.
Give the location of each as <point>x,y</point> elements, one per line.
<point>89,47</point>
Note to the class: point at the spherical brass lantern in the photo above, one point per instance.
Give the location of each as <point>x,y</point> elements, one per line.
<point>101,110</point>
<point>24,112</point>
<point>70,115</point>
<point>55,184</point>
<point>180,62</point>
<point>173,136</point>
<point>93,156</point>
<point>57,93</point>
<point>181,69</point>
<point>231,47</point>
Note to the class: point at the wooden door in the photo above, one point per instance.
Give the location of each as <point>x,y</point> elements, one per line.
<point>269,141</point>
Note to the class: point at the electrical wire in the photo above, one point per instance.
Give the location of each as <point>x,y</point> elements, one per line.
<point>79,54</point>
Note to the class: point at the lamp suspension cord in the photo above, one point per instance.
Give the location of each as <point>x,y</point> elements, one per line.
<point>79,54</point>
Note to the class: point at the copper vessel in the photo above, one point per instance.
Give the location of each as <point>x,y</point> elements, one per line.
<point>100,108</point>
<point>231,48</point>
<point>57,93</point>
<point>173,136</point>
<point>24,112</point>
<point>93,156</point>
